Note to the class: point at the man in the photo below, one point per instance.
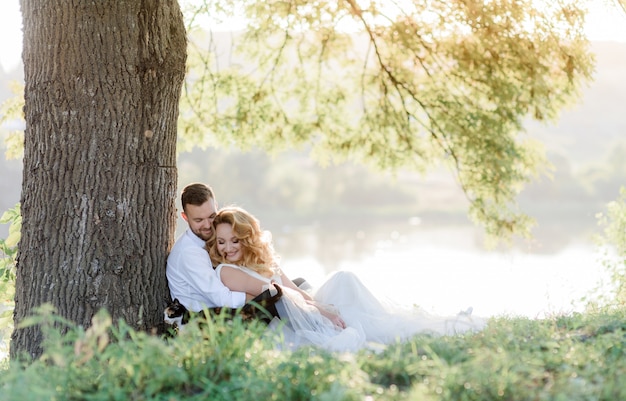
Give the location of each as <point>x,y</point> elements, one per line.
<point>189,271</point>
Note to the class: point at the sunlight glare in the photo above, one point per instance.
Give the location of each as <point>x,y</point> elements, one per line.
<point>11,28</point>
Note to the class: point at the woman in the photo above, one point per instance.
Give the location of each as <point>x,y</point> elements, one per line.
<point>342,315</point>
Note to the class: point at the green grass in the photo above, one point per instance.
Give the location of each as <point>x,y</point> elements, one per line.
<point>574,357</point>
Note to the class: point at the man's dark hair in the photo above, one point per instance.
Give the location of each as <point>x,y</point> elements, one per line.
<point>196,194</point>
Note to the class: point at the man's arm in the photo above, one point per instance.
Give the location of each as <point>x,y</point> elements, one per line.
<point>205,286</point>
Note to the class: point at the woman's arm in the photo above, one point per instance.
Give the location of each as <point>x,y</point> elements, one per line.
<point>290,284</point>
<point>329,313</point>
<point>236,280</point>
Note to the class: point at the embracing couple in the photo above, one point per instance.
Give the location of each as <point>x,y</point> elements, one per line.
<point>225,259</point>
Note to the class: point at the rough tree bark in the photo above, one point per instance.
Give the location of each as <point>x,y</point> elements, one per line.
<point>103,81</point>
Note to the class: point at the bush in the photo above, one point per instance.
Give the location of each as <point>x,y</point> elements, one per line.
<point>223,360</point>
<point>576,357</point>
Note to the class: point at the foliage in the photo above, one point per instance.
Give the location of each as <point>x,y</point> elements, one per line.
<point>8,255</point>
<point>614,242</point>
<point>575,357</point>
<point>615,224</point>
<point>8,246</point>
<point>12,109</point>
<point>392,84</point>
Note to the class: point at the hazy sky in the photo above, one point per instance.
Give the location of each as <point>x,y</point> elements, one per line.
<point>602,26</point>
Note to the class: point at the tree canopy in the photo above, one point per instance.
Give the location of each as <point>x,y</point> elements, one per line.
<point>395,85</point>
<point>391,84</point>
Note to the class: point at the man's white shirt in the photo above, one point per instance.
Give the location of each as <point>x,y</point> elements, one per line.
<point>193,281</point>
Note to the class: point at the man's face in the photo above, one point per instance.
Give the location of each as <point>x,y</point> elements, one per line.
<point>200,218</point>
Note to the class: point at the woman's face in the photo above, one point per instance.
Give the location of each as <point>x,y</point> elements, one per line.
<point>228,246</point>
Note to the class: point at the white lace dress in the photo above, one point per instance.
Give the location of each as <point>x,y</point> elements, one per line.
<point>369,322</point>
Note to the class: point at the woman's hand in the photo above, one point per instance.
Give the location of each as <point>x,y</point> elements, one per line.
<point>330,313</point>
<point>337,321</point>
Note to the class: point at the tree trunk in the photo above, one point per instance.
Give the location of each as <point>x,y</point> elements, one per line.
<point>103,81</point>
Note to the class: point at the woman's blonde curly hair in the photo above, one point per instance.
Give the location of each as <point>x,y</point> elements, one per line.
<point>256,245</point>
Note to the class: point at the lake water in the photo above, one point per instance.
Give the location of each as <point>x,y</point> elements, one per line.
<point>446,270</point>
